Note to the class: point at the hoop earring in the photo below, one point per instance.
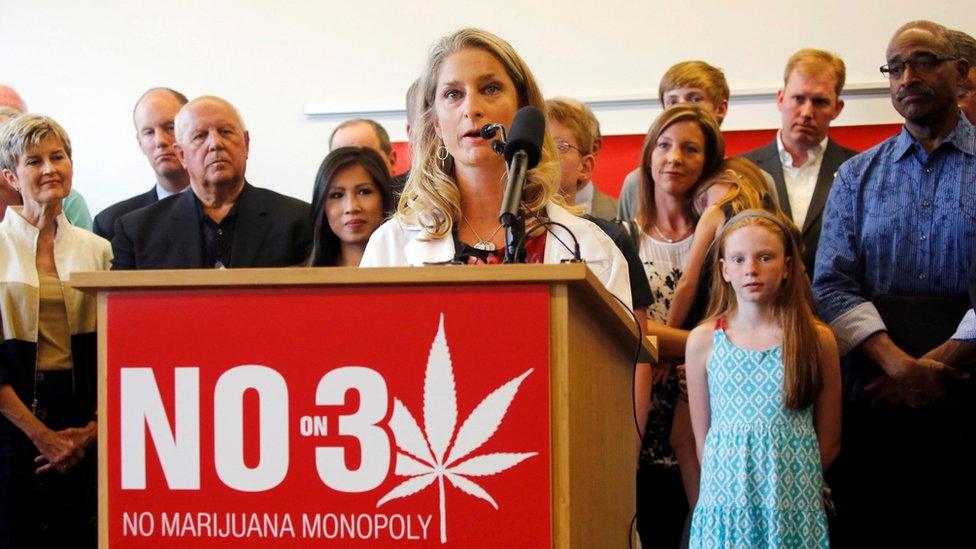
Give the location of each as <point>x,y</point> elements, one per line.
<point>442,156</point>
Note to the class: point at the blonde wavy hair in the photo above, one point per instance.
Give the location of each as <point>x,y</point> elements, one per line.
<point>748,189</point>
<point>431,198</point>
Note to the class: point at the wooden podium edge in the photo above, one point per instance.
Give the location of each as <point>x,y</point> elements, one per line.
<point>594,453</point>
<point>103,526</point>
<point>570,273</point>
<point>326,276</point>
<point>559,402</point>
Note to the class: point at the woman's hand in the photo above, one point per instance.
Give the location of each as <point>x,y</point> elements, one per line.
<point>682,382</point>
<point>85,436</point>
<point>62,450</point>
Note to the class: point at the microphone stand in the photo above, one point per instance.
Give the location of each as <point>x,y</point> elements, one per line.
<point>509,217</point>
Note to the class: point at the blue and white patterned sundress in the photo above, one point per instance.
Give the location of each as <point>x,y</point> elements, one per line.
<point>761,483</point>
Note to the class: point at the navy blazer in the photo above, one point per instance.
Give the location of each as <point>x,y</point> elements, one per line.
<point>272,230</point>
<point>104,225</point>
<point>767,158</point>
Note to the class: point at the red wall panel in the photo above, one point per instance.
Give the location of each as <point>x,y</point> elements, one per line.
<point>621,152</point>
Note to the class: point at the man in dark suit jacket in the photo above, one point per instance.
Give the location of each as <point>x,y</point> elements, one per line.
<point>222,221</point>
<point>104,225</point>
<point>153,116</point>
<point>801,159</point>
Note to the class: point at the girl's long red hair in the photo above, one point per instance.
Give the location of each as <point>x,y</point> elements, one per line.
<point>793,306</point>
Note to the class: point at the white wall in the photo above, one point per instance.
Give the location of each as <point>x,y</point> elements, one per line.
<point>86,62</point>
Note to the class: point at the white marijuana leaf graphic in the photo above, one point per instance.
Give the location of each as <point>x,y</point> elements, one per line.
<point>422,458</point>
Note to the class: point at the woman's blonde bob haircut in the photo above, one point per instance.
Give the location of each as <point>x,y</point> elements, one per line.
<point>22,132</point>
<point>431,198</point>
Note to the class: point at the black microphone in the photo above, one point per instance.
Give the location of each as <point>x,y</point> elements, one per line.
<point>523,149</point>
<point>528,131</point>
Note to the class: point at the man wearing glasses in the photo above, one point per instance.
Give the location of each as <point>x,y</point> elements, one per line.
<point>897,238</point>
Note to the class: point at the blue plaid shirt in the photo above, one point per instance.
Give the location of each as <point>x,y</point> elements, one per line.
<point>901,221</point>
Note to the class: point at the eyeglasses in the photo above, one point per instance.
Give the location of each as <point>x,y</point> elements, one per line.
<point>563,148</point>
<point>924,64</point>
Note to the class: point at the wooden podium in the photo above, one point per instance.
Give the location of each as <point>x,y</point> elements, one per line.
<point>440,406</point>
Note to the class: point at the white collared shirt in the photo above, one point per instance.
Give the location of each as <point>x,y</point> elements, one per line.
<point>802,180</point>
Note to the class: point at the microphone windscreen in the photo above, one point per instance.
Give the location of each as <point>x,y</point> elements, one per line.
<point>528,131</point>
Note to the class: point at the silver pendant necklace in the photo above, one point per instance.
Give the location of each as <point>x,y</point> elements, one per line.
<point>484,244</point>
<point>661,234</point>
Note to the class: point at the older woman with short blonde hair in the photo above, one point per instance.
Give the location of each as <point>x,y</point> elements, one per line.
<point>48,351</point>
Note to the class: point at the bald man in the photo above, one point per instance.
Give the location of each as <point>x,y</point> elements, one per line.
<point>363,132</point>
<point>222,221</point>
<point>414,103</point>
<point>154,117</point>
<point>10,98</point>
<point>9,196</point>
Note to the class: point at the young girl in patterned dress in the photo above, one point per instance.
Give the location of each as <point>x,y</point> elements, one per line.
<point>764,391</point>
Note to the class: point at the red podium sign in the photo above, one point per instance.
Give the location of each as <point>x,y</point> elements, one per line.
<point>329,417</point>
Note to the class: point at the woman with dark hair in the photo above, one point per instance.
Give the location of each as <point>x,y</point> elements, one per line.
<point>683,147</point>
<point>350,200</point>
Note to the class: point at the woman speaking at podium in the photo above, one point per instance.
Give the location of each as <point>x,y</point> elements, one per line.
<point>47,355</point>
<point>449,209</point>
